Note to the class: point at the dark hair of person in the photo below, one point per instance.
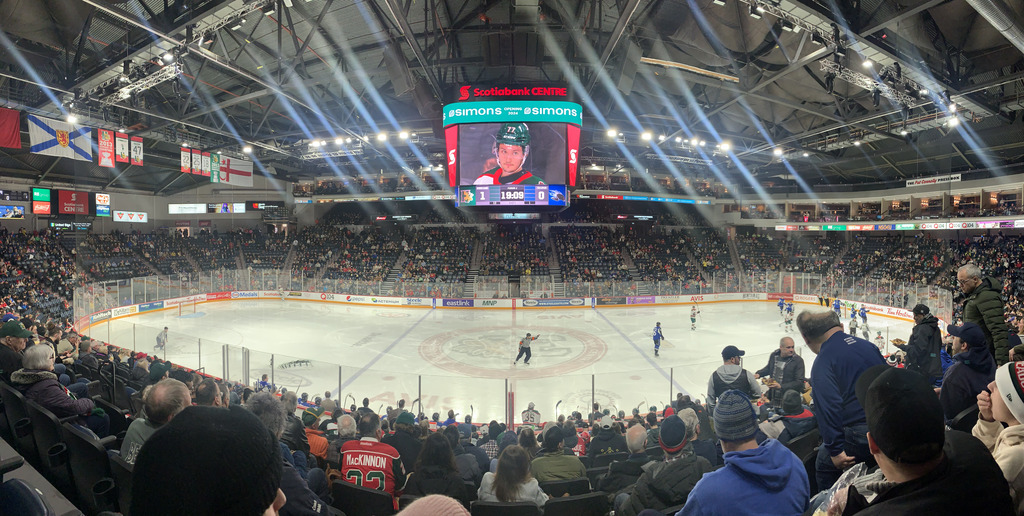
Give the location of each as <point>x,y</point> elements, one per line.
<point>513,470</point>
<point>436,451</point>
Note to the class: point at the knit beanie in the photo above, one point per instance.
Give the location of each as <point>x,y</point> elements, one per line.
<point>1010,382</point>
<point>735,419</point>
<point>208,461</point>
<point>432,505</point>
<point>673,434</point>
<point>792,403</point>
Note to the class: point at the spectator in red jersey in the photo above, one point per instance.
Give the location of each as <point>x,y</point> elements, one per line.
<point>371,463</point>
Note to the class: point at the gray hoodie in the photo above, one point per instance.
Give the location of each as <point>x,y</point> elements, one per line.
<point>729,373</point>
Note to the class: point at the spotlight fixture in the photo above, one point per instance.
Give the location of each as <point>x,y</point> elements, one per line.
<point>184,144</point>
<point>904,132</point>
<point>645,136</point>
<point>817,39</point>
<point>867,63</point>
<point>72,119</point>
<point>247,149</point>
<point>702,143</point>
<point>382,136</point>
<point>168,57</point>
<point>694,142</point>
<point>787,25</point>
<point>755,11</point>
<point>952,107</point>
<point>777,151</point>
<point>404,135</point>
<point>856,143</point>
<point>719,3</point>
<point>924,91</point>
<point>953,121</point>
<point>611,133</point>
<point>122,129</point>
<point>725,146</point>
<point>679,139</point>
<point>338,141</point>
<point>348,140</point>
<point>805,154</point>
<point>661,137</point>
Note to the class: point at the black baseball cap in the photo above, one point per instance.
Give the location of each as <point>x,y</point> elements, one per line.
<point>903,413</point>
<point>970,333</point>
<point>731,352</point>
<point>920,309</point>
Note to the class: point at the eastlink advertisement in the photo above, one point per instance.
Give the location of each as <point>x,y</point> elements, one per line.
<point>553,302</point>
<point>457,303</point>
<point>640,300</point>
<point>100,316</point>
<point>155,305</point>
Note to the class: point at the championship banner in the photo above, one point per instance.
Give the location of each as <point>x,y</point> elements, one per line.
<point>215,167</point>
<point>121,140</point>
<point>186,160</point>
<point>56,138</point>
<point>10,128</point>
<point>206,164</point>
<point>197,162</point>
<point>106,147</point>
<point>136,145</point>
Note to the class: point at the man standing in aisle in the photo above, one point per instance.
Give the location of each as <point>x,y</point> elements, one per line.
<point>841,360</point>
<point>924,345</point>
<point>524,349</point>
<point>984,307</point>
<point>732,375</point>
<point>786,369</point>
<point>658,336</point>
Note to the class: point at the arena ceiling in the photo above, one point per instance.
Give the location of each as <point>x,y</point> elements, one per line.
<point>277,75</point>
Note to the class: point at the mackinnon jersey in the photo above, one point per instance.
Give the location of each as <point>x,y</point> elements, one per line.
<point>372,464</point>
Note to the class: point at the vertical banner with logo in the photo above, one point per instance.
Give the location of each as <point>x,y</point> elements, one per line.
<point>106,147</point>
<point>215,167</point>
<point>122,148</point>
<point>186,160</point>
<point>197,162</point>
<point>572,133</point>
<point>451,139</point>
<point>136,146</point>
<point>206,164</point>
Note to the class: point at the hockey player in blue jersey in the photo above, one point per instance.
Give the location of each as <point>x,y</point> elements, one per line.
<point>658,336</point>
<point>863,314</point>
<point>782,305</point>
<point>837,306</point>
<point>789,307</point>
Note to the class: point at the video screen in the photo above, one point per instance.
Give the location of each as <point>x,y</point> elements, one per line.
<point>512,153</point>
<point>12,212</point>
<point>225,207</point>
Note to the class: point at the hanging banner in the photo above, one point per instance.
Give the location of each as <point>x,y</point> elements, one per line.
<point>215,167</point>
<point>197,162</point>
<point>206,164</point>
<point>186,160</point>
<point>236,171</point>
<point>136,145</point>
<point>57,138</point>
<point>10,128</point>
<point>121,140</point>
<point>106,147</point>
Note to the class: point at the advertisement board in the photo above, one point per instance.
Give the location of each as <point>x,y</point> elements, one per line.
<point>575,301</point>
<point>774,296</point>
<point>124,310</point>
<point>245,294</point>
<point>610,300</point>
<point>495,303</point>
<point>131,216</point>
<point>386,300</point>
<point>640,300</point>
<point>146,307</point>
<point>803,298</point>
<point>419,301</point>
<point>100,316</point>
<point>186,209</point>
<point>218,295</point>
<point>70,202</point>
<point>457,303</point>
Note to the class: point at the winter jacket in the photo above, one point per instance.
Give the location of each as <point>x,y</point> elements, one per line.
<point>1005,445</point>
<point>607,441</point>
<point>43,388</point>
<point>529,491</point>
<point>623,473</point>
<point>664,484</point>
<point>984,307</point>
<point>924,347</point>
<point>301,501</point>
<point>837,367</point>
<point>317,443</point>
<point>467,465</point>
<point>554,466</point>
<point>966,481</point>
<point>481,456</point>
<point>767,476</point>
<point>792,376</point>
<point>408,447</point>
<point>295,434</point>
<point>731,376</point>
<point>436,480</point>
<point>970,373</point>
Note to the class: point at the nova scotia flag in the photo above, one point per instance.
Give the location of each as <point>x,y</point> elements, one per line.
<point>57,138</point>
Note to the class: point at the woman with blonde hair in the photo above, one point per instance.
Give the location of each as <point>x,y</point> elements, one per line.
<point>512,482</point>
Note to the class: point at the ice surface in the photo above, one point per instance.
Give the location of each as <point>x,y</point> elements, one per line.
<point>455,358</point>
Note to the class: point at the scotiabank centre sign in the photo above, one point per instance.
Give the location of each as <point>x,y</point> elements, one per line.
<point>468,92</point>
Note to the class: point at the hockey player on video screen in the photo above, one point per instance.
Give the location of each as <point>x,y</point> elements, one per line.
<point>511,147</point>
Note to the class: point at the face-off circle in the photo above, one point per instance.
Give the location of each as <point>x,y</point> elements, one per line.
<point>487,352</point>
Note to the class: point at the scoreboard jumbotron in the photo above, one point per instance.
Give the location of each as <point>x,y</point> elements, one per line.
<point>513,195</point>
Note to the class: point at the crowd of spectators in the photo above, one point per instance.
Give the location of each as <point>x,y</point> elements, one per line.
<point>864,254</point>
<point>708,246</point>
<point>814,255</point>
<point>760,252</point>
<point>659,258</point>
<point>589,253</point>
<point>513,250</point>
<point>111,256</point>
<point>368,257</point>
<point>437,255</point>
<point>263,251</point>
<point>916,259</point>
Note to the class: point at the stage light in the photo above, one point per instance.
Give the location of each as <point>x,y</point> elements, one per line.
<point>611,133</point>
<point>247,149</point>
<point>904,132</point>
<point>867,63</point>
<point>718,2</point>
<point>755,12</point>
<point>661,137</point>
<point>725,146</point>
<point>382,136</point>
<point>953,121</point>
<point>694,142</point>
<point>645,136</point>
<point>348,140</point>
<point>856,143</point>
<point>168,57</point>
<point>702,142</point>
<point>777,151</point>
<point>787,25</point>
<point>72,119</point>
<point>679,139</point>
<point>805,154</point>
<point>338,141</point>
<point>404,135</point>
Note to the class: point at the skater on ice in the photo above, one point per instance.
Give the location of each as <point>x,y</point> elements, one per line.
<point>524,349</point>
<point>161,339</point>
<point>693,317</point>
<point>782,305</point>
<point>658,336</point>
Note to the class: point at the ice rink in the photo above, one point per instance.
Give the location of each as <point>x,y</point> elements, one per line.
<point>461,359</point>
